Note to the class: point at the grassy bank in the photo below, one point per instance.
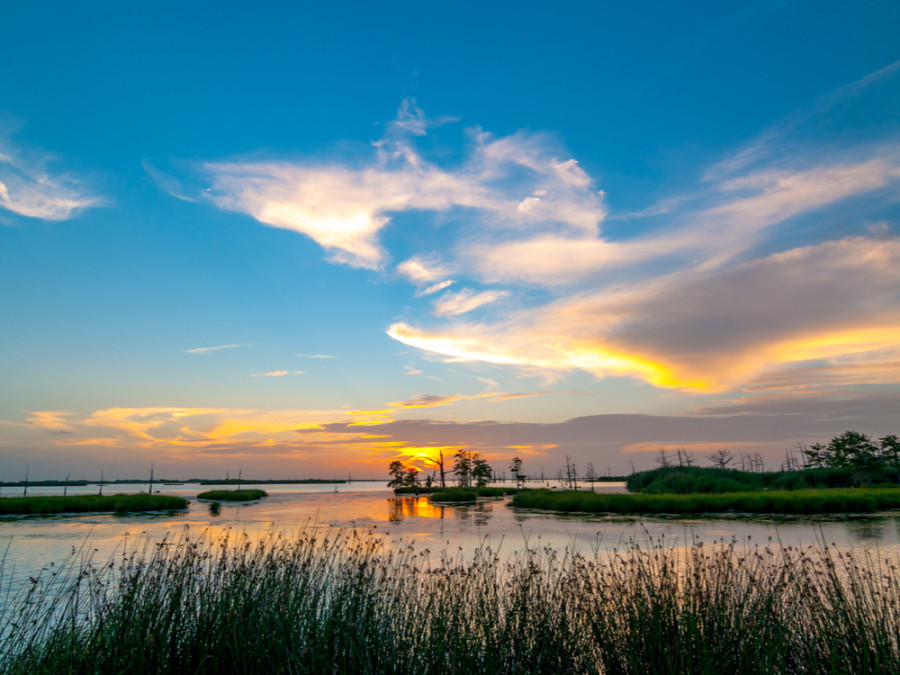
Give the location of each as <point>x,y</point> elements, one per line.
<point>848,500</point>
<point>479,491</point>
<point>90,503</point>
<point>233,495</point>
<point>348,603</point>
<point>692,479</point>
<point>450,495</point>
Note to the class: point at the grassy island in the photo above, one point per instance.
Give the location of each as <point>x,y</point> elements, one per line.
<point>454,495</point>
<point>694,479</point>
<point>90,503</point>
<point>233,495</point>
<point>843,500</point>
<point>479,491</point>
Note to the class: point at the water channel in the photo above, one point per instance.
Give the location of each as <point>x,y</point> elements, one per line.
<point>33,542</point>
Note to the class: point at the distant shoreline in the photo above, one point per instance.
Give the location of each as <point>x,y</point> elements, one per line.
<point>176,481</point>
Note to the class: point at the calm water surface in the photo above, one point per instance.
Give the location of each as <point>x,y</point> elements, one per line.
<point>33,542</point>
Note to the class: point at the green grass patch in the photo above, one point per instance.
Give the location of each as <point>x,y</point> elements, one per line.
<point>233,495</point>
<point>90,503</point>
<point>347,603</point>
<point>847,500</point>
<point>692,479</point>
<point>480,491</point>
<point>454,495</point>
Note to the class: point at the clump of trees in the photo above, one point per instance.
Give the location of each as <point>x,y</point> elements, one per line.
<point>857,453</point>
<point>851,459</point>
<point>470,468</point>
<point>516,469</point>
<point>403,476</point>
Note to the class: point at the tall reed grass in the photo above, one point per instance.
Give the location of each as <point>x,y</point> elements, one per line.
<point>344,601</point>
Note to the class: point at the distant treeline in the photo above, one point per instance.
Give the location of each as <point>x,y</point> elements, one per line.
<point>159,481</point>
<point>79,483</point>
<point>268,481</point>
<point>43,483</point>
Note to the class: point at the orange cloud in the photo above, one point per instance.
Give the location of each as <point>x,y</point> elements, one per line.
<point>704,331</point>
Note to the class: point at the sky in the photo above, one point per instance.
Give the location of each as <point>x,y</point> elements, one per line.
<point>307,240</point>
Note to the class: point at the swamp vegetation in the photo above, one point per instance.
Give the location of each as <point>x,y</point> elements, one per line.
<point>345,601</point>
<point>799,502</point>
<point>119,503</point>
<point>233,495</point>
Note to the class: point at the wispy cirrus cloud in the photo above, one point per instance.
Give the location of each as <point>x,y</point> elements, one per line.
<point>426,401</point>
<point>464,301</point>
<point>424,269</point>
<point>28,188</point>
<point>54,421</point>
<point>278,373</point>
<point>435,400</point>
<point>209,350</point>
<point>168,183</point>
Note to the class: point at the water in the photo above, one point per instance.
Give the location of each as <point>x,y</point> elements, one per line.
<point>33,542</point>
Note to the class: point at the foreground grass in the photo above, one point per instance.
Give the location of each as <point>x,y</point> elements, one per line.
<point>848,500</point>
<point>233,495</point>
<point>87,503</point>
<point>344,602</point>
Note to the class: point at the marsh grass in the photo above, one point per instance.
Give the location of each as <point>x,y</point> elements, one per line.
<point>842,500</point>
<point>455,495</point>
<point>480,491</point>
<point>694,479</point>
<point>233,495</point>
<point>119,503</point>
<point>344,601</point>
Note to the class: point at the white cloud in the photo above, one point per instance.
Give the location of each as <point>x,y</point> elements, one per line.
<point>344,208</point>
<point>424,269</point>
<point>435,288</point>
<point>29,189</point>
<point>207,350</point>
<point>466,300</point>
<point>711,237</point>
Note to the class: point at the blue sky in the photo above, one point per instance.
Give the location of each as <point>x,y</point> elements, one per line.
<point>307,241</point>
